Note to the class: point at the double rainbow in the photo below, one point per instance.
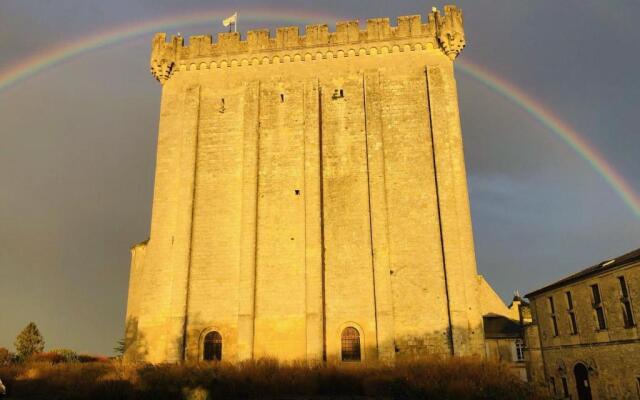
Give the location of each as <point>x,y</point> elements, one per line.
<point>36,63</point>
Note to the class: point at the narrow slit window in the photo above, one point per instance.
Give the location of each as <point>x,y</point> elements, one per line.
<point>281,98</point>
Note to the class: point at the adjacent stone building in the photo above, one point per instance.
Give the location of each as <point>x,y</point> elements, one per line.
<point>584,342</point>
<point>504,336</point>
<point>310,198</point>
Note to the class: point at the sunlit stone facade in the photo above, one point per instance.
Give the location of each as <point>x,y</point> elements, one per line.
<point>584,342</point>
<point>310,198</point>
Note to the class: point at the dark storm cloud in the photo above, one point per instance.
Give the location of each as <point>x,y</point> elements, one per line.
<point>77,149</point>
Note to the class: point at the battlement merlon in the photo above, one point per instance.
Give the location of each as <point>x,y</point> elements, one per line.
<point>442,31</point>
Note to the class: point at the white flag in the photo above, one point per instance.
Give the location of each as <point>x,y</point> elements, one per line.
<point>231,20</point>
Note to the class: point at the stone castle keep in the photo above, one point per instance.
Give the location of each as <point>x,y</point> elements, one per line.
<point>310,198</point>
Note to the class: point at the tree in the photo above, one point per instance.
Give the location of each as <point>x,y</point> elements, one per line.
<point>121,346</point>
<point>29,341</point>
<point>5,356</point>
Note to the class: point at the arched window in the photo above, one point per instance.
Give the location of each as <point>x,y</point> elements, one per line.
<point>350,344</point>
<point>212,347</point>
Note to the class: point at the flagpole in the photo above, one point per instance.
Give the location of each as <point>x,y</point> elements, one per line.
<point>235,26</point>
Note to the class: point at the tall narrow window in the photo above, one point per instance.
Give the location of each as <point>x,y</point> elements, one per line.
<point>519,350</point>
<point>598,307</point>
<point>552,383</point>
<point>212,347</point>
<point>638,386</point>
<point>572,314</point>
<point>350,344</point>
<point>565,387</point>
<point>554,320</point>
<point>627,312</point>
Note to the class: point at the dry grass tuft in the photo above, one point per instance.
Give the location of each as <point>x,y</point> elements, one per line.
<point>433,379</point>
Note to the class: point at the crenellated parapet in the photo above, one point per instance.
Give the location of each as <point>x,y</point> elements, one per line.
<point>443,32</point>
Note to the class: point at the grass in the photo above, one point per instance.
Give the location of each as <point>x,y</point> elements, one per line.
<point>434,379</point>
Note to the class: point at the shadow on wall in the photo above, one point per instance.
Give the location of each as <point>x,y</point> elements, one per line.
<point>406,347</point>
<point>135,349</point>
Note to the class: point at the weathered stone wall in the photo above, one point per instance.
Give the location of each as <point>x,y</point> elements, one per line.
<point>612,355</point>
<point>503,350</point>
<point>136,284</point>
<point>305,184</point>
<point>533,357</point>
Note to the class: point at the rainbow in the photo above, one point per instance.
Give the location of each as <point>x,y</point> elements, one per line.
<point>560,128</point>
<point>31,66</point>
<point>56,55</point>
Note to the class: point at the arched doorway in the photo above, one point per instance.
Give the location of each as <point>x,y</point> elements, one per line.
<point>212,347</point>
<point>350,341</point>
<point>582,381</point>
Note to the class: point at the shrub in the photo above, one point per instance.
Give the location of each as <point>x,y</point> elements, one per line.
<point>459,378</point>
<point>88,358</point>
<point>46,357</point>
<point>66,354</point>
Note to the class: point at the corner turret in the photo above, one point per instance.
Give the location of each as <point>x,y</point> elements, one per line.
<point>164,55</point>
<point>450,30</point>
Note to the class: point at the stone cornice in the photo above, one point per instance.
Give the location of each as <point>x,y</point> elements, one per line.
<point>444,32</point>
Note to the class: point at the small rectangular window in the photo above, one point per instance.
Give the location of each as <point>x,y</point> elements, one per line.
<point>565,387</point>
<point>629,321</point>
<point>519,350</point>
<point>623,286</point>
<point>598,307</point>
<point>602,324</point>
<point>596,294</point>
<point>569,301</point>
<point>574,323</point>
<point>555,325</point>
<point>627,311</point>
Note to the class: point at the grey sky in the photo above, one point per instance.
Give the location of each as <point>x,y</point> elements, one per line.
<point>77,148</point>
